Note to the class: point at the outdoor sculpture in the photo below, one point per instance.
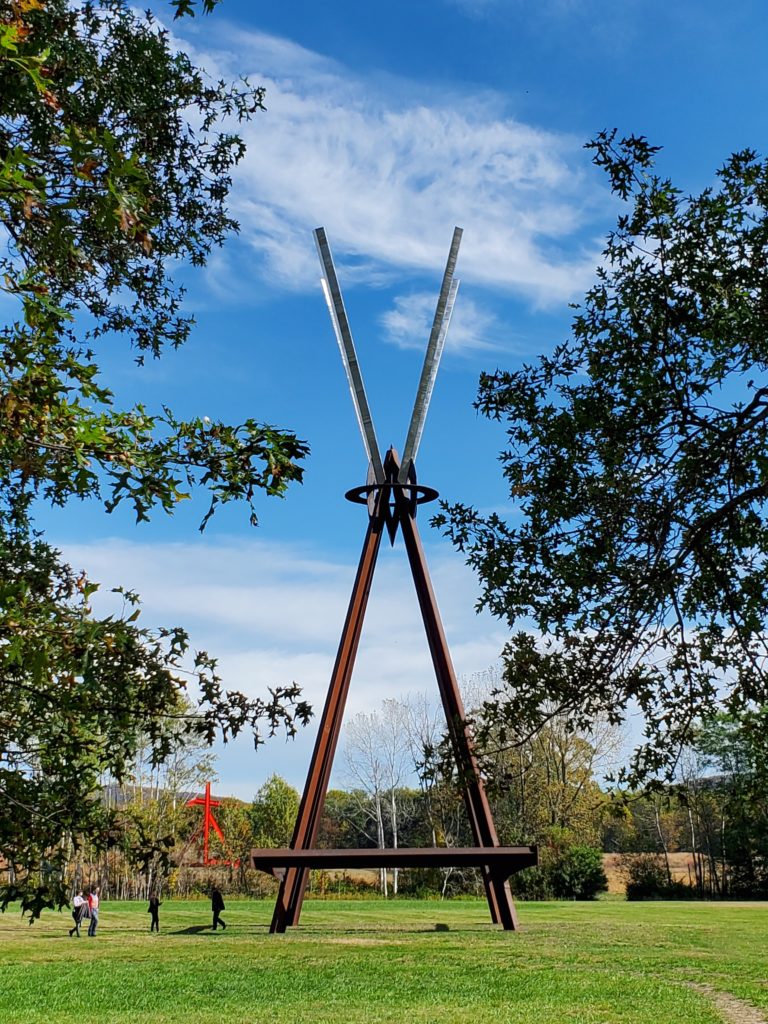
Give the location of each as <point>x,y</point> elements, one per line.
<point>208,825</point>
<point>392,496</point>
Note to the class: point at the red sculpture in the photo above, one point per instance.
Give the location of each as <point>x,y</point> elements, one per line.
<point>209,822</point>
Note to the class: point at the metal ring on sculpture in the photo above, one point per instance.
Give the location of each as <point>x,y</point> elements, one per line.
<point>360,495</point>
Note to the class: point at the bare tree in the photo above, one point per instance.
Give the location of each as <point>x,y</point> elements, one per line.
<point>377,757</point>
<point>398,765</point>
<point>425,732</point>
<point>424,725</point>
<point>365,769</point>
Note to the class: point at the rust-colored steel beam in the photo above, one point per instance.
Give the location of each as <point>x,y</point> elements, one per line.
<point>293,885</point>
<point>502,860</point>
<point>392,505</point>
<point>500,900</point>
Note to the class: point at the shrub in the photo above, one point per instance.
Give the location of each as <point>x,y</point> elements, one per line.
<point>531,884</point>
<point>564,872</point>
<point>577,873</point>
<point>647,879</point>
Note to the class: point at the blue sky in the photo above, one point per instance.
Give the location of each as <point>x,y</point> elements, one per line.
<point>388,125</point>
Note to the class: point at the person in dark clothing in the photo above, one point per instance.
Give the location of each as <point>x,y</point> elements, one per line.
<point>154,910</point>
<point>217,905</point>
<point>78,906</point>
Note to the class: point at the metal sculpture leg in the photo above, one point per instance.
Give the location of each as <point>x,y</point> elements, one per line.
<point>294,883</point>
<point>497,890</point>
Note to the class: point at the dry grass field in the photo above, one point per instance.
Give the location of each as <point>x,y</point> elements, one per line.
<point>681,865</point>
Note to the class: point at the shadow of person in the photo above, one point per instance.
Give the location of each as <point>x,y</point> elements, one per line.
<point>194,929</point>
<point>441,927</point>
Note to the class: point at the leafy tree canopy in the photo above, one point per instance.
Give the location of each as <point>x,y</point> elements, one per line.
<point>115,161</point>
<point>273,813</point>
<point>636,461</point>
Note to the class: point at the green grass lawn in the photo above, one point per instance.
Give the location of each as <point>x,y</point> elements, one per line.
<point>405,962</point>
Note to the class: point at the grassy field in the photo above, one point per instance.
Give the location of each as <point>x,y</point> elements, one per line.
<point>406,962</point>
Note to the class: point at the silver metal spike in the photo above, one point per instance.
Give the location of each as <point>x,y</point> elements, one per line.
<point>335,303</point>
<point>432,357</point>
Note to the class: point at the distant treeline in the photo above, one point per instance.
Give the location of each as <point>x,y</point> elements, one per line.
<point>404,792</point>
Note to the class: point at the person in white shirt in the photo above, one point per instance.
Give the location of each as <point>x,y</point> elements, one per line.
<point>78,906</point>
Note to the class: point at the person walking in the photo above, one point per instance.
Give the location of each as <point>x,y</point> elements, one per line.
<point>217,905</point>
<point>93,906</point>
<point>154,910</point>
<point>78,906</point>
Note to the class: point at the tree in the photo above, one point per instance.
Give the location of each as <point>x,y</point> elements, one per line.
<point>345,821</point>
<point>636,462</point>
<point>544,784</point>
<point>730,804</point>
<point>376,754</point>
<point>115,162</point>
<point>424,731</point>
<point>234,819</point>
<point>366,768</point>
<point>149,808</point>
<point>395,750</point>
<point>541,783</point>
<point>273,813</point>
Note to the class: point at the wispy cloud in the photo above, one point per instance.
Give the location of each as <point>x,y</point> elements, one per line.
<point>408,324</point>
<point>389,173</point>
<point>272,614</point>
<point>602,20</point>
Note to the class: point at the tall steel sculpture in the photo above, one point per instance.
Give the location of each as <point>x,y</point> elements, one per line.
<point>392,496</point>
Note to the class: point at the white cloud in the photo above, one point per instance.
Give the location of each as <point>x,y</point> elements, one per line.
<point>390,171</point>
<point>272,614</point>
<point>604,20</point>
<point>408,324</point>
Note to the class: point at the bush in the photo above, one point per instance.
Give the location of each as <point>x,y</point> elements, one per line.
<point>531,884</point>
<point>577,873</point>
<point>564,873</point>
<point>647,879</point>
<point>420,883</point>
<point>749,881</point>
